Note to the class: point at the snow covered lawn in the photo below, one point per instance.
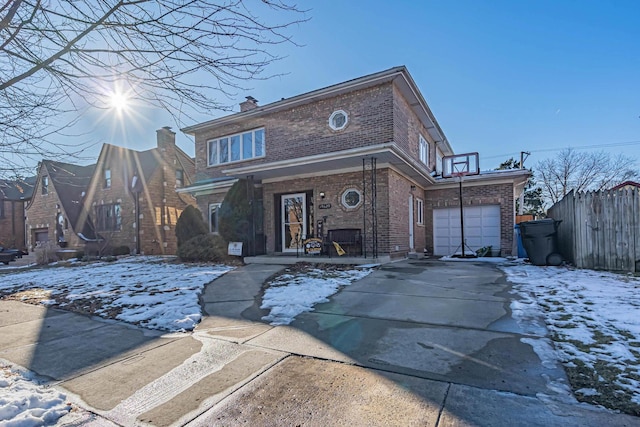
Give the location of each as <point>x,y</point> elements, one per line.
<point>301,287</point>
<point>594,320</point>
<point>24,403</point>
<point>152,292</point>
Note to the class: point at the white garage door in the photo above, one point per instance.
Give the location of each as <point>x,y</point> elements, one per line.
<point>481,228</point>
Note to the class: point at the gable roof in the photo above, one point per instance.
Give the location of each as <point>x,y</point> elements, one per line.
<point>70,182</point>
<point>18,189</point>
<point>400,75</point>
<point>626,184</point>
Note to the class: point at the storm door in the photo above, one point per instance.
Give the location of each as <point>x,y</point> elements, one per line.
<point>294,221</point>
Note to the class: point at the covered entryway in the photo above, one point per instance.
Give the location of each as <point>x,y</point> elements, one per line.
<point>481,228</point>
<point>294,221</point>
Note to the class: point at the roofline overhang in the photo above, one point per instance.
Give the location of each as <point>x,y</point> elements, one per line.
<point>517,177</point>
<point>208,187</point>
<point>360,153</point>
<point>366,81</point>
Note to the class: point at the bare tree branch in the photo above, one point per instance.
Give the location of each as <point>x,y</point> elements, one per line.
<point>582,171</point>
<point>185,56</point>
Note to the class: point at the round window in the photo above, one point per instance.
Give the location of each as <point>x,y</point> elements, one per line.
<point>338,120</point>
<point>351,198</point>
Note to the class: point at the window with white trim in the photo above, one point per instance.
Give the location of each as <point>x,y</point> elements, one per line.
<point>420,211</point>
<point>338,120</point>
<point>439,157</point>
<point>214,210</point>
<point>351,198</point>
<point>234,148</point>
<point>424,150</point>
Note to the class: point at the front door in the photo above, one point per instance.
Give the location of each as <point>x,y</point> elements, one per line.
<point>411,230</point>
<point>294,221</point>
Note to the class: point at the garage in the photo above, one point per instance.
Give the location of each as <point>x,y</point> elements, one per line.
<point>481,228</point>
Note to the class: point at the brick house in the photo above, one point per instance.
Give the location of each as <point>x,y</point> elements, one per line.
<point>127,199</point>
<point>14,195</point>
<point>54,210</point>
<point>362,155</point>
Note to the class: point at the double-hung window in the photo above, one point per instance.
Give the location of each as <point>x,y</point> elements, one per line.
<point>108,217</point>
<point>107,178</point>
<point>234,148</point>
<point>424,150</point>
<point>179,178</point>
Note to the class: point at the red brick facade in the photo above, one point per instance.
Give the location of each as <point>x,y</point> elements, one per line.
<point>475,195</point>
<point>147,227</point>
<point>12,224</point>
<point>159,205</point>
<point>385,112</point>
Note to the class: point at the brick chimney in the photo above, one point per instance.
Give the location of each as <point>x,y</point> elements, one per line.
<point>249,104</point>
<point>165,137</point>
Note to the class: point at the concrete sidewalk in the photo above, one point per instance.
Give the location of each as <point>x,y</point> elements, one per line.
<point>415,343</point>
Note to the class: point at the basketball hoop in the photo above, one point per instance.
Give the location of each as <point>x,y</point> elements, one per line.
<point>459,166</point>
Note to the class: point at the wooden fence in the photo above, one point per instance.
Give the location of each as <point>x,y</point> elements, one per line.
<point>600,230</point>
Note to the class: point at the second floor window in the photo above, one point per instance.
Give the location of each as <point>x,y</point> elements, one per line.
<point>233,148</point>
<point>45,185</point>
<point>108,217</point>
<point>179,178</point>
<point>107,178</point>
<point>424,151</point>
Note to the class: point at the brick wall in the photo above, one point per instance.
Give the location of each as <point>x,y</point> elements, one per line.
<point>406,130</point>
<point>393,193</point>
<point>12,224</point>
<point>159,204</point>
<point>487,194</point>
<point>304,130</point>
<point>42,211</point>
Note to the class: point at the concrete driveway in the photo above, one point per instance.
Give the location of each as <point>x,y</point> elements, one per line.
<point>417,342</point>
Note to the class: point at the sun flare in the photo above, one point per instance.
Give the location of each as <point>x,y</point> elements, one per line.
<point>119,101</point>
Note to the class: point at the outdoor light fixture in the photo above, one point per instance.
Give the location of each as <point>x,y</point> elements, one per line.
<point>413,187</point>
<point>322,194</point>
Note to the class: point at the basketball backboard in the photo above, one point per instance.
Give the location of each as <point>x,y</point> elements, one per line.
<point>460,165</point>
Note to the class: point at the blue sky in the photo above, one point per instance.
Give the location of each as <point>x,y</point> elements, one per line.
<point>500,76</point>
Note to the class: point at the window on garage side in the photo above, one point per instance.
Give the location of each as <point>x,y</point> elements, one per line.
<point>420,211</point>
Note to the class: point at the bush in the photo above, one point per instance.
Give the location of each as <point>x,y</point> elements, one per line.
<point>204,248</point>
<point>236,215</point>
<point>190,225</point>
<point>121,250</point>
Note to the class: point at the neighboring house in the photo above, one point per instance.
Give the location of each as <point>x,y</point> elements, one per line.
<point>361,155</point>
<point>127,199</point>
<point>54,210</point>
<point>627,185</point>
<point>131,199</point>
<point>14,195</point>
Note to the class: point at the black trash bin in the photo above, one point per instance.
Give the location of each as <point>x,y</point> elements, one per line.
<point>540,241</point>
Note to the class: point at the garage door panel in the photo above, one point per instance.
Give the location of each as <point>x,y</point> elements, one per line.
<point>481,228</point>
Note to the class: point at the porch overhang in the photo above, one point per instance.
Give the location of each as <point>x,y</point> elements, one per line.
<point>209,186</point>
<point>386,155</point>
